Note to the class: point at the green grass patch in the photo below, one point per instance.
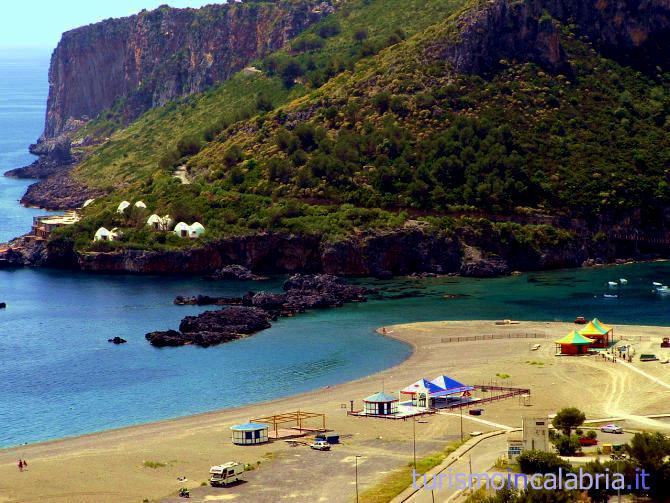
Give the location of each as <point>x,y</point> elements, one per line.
<point>400,479</point>
<point>154,464</point>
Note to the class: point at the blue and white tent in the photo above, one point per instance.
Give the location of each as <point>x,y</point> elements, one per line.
<point>433,389</point>
<point>451,386</point>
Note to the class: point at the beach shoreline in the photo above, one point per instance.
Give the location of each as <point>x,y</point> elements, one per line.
<point>189,445</point>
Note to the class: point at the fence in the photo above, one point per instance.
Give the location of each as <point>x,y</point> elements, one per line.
<point>639,338</point>
<point>507,392</point>
<point>489,337</point>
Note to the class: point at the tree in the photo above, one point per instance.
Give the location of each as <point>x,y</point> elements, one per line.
<point>291,71</point>
<point>568,419</point>
<point>649,452</point>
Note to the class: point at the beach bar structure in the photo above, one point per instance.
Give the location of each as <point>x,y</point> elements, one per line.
<point>250,433</point>
<point>380,404</point>
<point>573,344</point>
<point>296,418</point>
<point>601,334</point>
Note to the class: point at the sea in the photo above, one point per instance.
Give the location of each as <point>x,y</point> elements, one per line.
<point>60,377</point>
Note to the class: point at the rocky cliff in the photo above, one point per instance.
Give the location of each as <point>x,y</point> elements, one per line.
<point>381,254</point>
<point>147,59</point>
<point>636,32</point>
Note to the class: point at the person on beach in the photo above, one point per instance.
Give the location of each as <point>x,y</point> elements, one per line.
<point>25,464</point>
<point>20,465</point>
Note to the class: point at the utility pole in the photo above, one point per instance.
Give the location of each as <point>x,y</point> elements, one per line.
<point>461,408</point>
<point>414,440</point>
<point>356,457</point>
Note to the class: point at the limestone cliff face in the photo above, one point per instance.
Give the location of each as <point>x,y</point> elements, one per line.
<point>636,32</point>
<point>147,59</point>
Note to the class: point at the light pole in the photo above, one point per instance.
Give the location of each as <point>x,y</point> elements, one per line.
<point>414,421</point>
<point>356,458</point>
<point>461,409</point>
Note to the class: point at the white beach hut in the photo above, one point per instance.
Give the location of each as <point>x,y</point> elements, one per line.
<point>182,229</point>
<point>87,203</point>
<point>141,205</point>
<point>155,222</point>
<point>102,234</point>
<point>196,230</point>
<point>123,206</point>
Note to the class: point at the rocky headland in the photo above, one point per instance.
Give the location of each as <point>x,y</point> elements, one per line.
<point>140,62</point>
<point>254,311</point>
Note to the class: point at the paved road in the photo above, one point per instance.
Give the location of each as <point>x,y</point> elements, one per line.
<point>468,417</point>
<point>479,459</point>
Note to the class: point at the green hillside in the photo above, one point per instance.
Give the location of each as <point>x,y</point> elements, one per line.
<point>359,125</point>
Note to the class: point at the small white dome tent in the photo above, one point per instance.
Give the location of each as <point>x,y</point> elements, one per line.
<point>182,229</point>
<point>123,206</point>
<point>87,203</point>
<point>155,222</point>
<point>196,230</point>
<point>140,204</point>
<point>102,234</point>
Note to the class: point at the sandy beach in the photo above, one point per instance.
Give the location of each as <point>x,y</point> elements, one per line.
<point>143,462</point>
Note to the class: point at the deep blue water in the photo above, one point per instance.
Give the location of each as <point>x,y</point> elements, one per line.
<point>59,376</point>
<point>23,94</point>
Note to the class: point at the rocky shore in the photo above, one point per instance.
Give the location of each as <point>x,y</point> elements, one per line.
<point>254,311</point>
<point>55,188</point>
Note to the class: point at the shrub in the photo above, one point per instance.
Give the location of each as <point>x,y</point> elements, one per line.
<point>328,28</point>
<point>532,461</point>
<point>360,35</point>
<point>567,445</point>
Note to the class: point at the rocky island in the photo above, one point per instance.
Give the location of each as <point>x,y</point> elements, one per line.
<point>254,311</point>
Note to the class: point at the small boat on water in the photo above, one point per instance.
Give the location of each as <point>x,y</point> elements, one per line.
<point>612,284</point>
<point>623,281</point>
<point>610,296</point>
<point>656,283</point>
<point>663,290</point>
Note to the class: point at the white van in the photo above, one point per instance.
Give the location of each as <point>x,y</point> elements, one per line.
<point>228,473</point>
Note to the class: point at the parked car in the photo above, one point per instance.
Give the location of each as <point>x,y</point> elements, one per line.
<point>320,445</point>
<point>611,428</point>
<point>586,441</point>
<point>580,320</point>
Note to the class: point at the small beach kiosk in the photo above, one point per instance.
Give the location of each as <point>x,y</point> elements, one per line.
<point>601,334</point>
<point>250,433</point>
<point>573,344</point>
<point>380,404</point>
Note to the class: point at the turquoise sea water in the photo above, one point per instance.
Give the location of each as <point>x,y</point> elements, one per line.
<point>59,376</point>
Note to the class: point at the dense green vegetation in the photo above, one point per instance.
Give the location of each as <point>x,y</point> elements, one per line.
<point>356,126</point>
<point>411,137</point>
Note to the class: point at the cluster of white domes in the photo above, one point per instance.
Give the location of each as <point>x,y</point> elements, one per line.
<point>193,231</point>
<point>124,205</point>
<point>155,222</point>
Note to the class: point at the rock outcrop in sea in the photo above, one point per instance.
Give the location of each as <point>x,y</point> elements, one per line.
<point>253,312</point>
